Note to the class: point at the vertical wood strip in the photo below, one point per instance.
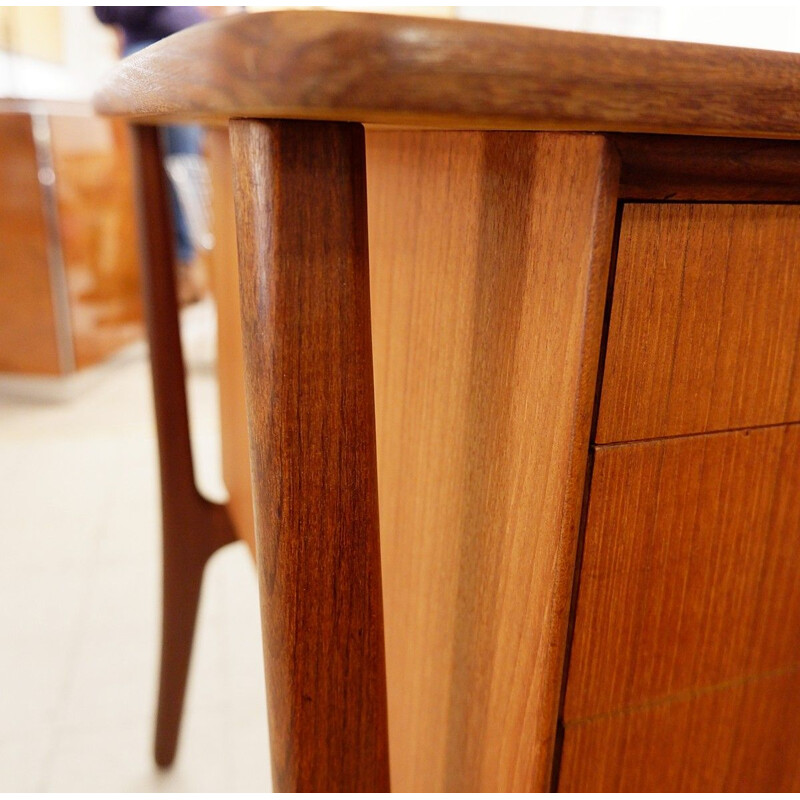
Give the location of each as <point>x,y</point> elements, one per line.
<point>304,280</point>
<point>230,360</point>
<point>490,256</point>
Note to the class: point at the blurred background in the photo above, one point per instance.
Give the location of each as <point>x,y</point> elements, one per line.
<point>79,501</point>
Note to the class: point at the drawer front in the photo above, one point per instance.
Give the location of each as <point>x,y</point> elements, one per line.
<point>689,587</point>
<point>742,738</point>
<point>705,321</point>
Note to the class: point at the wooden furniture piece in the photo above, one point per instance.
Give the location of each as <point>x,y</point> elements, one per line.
<point>193,528</point>
<point>69,284</point>
<point>585,336</point>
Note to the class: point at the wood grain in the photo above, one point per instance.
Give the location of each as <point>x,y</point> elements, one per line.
<point>705,323</point>
<point>489,257</point>
<point>451,73</point>
<point>300,192</point>
<point>192,527</point>
<point>740,738</point>
<point>690,573</point>
<point>230,358</point>
<point>28,339</point>
<point>708,168</point>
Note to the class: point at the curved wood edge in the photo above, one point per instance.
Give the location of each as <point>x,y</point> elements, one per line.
<point>422,72</point>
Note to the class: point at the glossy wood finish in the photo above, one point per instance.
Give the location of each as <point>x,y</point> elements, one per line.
<point>451,73</point>
<point>300,193</point>
<point>28,336</point>
<point>684,168</point>
<point>230,358</point>
<point>705,326</point>
<point>741,738</point>
<point>689,588</point>
<point>486,325</point>
<point>193,527</point>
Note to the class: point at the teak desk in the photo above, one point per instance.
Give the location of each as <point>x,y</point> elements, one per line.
<point>574,401</point>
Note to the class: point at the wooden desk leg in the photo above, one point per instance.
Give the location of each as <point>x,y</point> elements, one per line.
<point>300,194</point>
<point>193,527</point>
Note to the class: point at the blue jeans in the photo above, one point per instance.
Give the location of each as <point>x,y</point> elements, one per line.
<point>178,139</point>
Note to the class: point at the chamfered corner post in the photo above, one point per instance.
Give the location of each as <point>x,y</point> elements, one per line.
<point>300,190</point>
<point>193,528</point>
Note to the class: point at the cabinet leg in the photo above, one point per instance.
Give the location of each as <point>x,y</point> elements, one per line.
<point>304,280</point>
<point>193,527</point>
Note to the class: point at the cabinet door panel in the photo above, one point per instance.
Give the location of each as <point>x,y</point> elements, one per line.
<point>689,591</point>
<point>741,738</point>
<point>705,323</point>
<point>691,568</point>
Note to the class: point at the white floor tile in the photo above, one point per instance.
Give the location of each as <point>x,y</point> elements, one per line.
<point>24,758</point>
<point>80,594</point>
<point>118,759</point>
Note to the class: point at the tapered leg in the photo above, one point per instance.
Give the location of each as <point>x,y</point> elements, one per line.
<point>193,527</point>
<point>304,278</point>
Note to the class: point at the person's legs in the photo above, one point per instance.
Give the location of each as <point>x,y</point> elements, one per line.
<point>181,140</point>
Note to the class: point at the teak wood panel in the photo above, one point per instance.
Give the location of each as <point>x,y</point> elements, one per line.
<point>691,569</point>
<point>705,321</point>
<point>376,68</point>
<point>230,361</point>
<point>489,260</point>
<point>739,738</point>
<point>301,221</point>
<point>28,338</point>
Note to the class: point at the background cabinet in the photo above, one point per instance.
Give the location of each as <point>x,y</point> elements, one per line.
<point>69,278</point>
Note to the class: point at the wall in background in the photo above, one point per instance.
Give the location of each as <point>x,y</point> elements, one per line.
<point>60,52</point>
<point>53,53</point>
<point>31,31</point>
<point>770,28</point>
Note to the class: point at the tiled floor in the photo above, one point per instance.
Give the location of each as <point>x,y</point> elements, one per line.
<point>79,598</point>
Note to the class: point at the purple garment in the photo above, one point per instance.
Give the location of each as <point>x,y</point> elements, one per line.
<point>149,23</point>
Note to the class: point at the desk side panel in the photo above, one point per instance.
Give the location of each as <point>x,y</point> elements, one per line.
<point>489,261</point>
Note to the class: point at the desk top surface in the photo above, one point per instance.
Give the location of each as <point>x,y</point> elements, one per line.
<point>441,73</point>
